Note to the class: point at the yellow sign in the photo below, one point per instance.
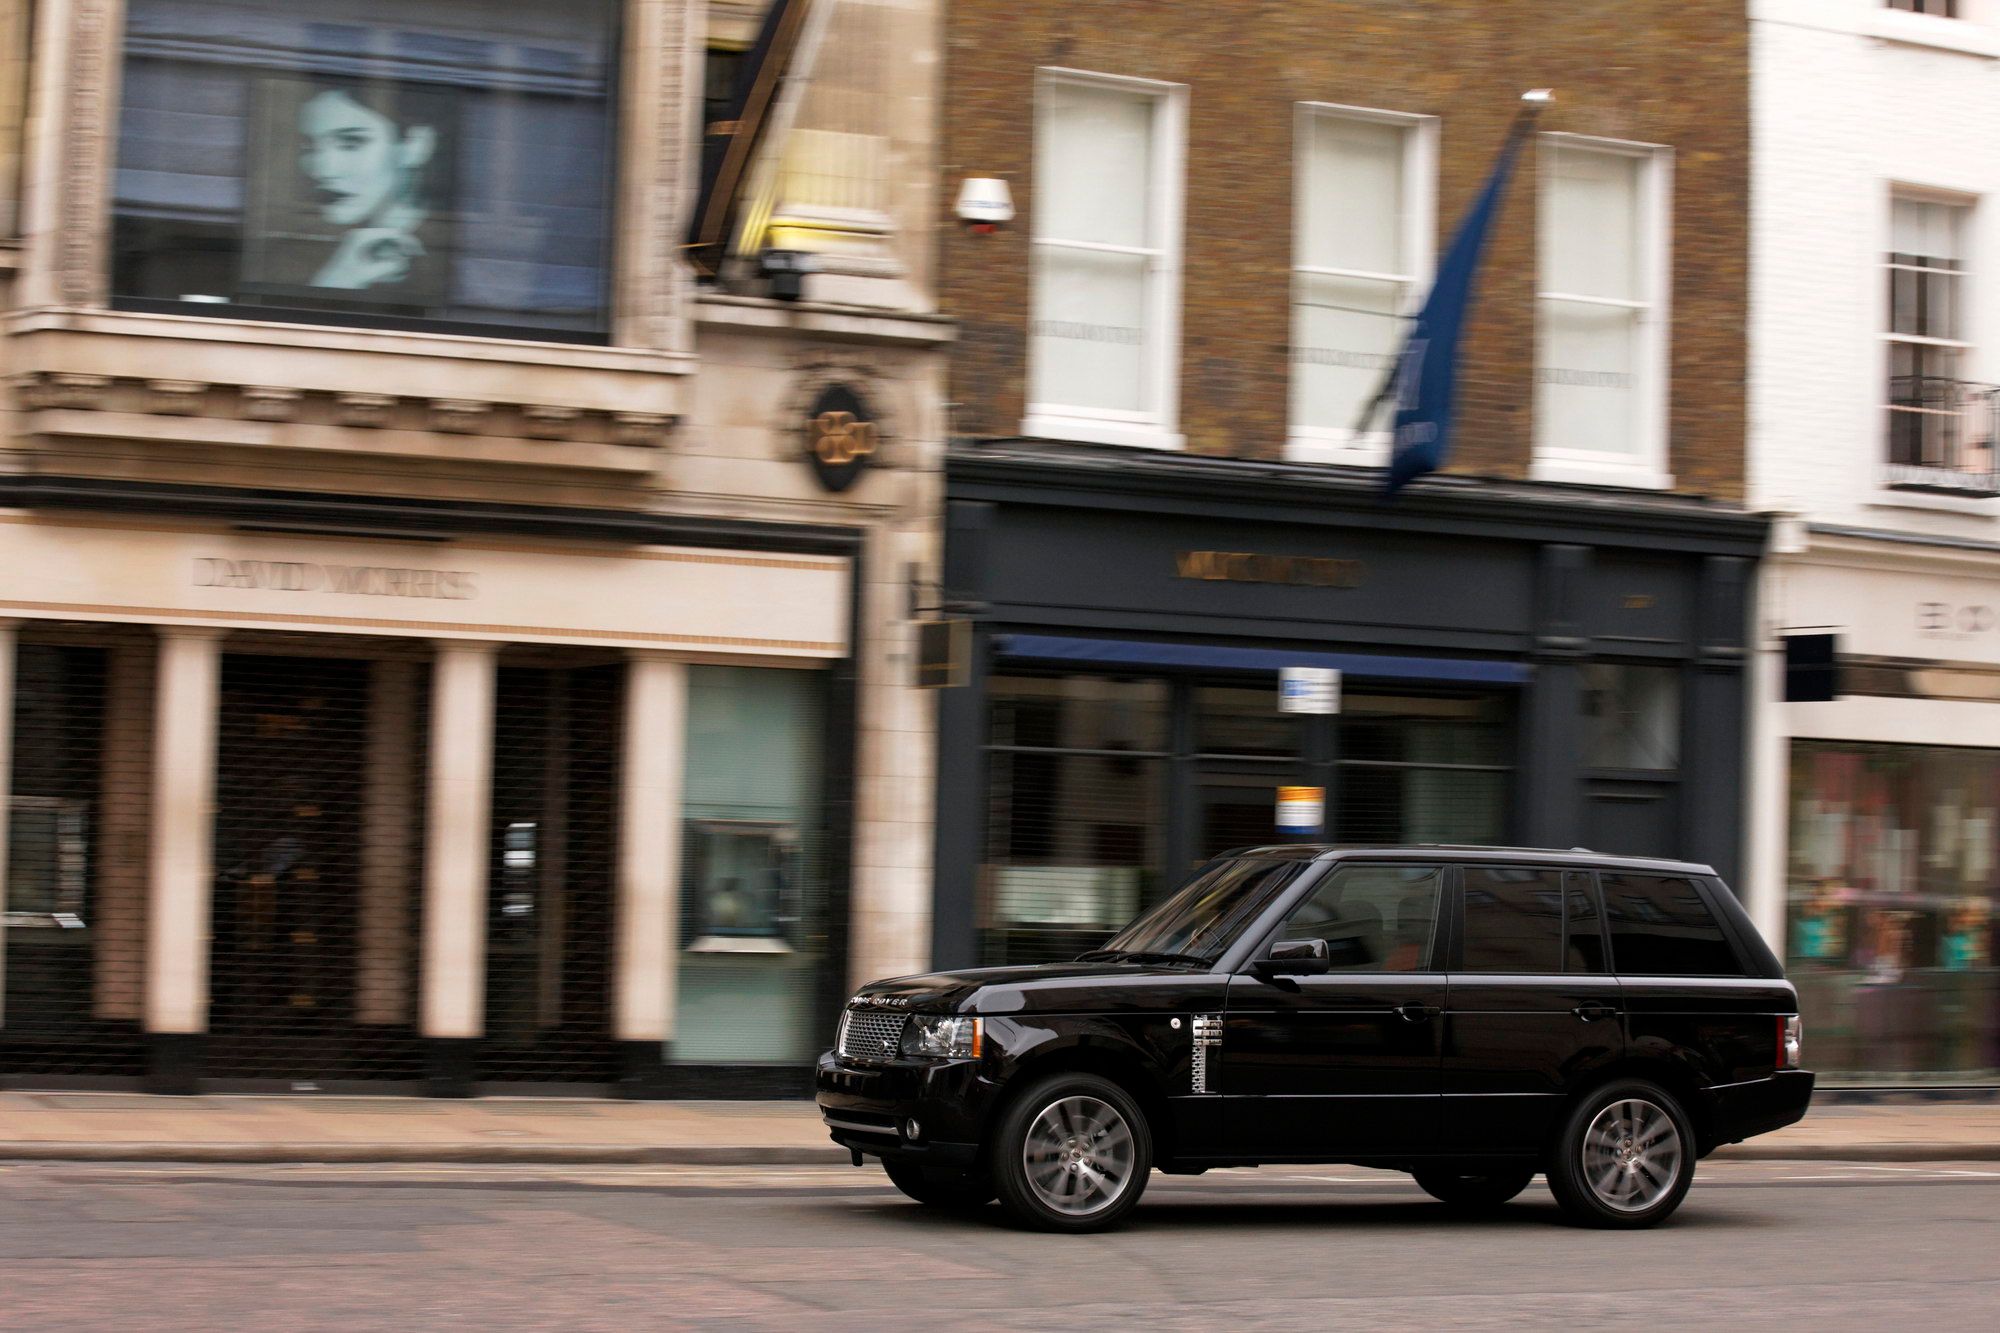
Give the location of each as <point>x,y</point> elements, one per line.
<point>1307,571</point>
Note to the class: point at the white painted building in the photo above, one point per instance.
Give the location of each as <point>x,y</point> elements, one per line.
<point>1874,856</point>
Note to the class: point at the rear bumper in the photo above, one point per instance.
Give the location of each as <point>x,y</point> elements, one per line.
<point>870,1108</point>
<point>1745,1110</point>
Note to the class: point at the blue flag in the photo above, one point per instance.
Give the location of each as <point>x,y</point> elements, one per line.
<point>1425,378</point>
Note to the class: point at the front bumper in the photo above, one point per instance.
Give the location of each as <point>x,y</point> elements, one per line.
<point>868,1107</point>
<point>1744,1110</point>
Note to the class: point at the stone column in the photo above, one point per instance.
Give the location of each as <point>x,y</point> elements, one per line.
<point>382,988</point>
<point>456,845</point>
<point>8,634</point>
<point>182,846</point>
<point>649,854</point>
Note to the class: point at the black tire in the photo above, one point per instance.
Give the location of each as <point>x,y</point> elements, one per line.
<point>1474,1192</point>
<point>1646,1155</point>
<point>1074,1132</point>
<point>940,1187</point>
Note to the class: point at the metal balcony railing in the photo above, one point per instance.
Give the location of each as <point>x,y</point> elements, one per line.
<point>1942,435</point>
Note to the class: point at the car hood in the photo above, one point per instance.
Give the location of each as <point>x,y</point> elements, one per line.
<point>1042,988</point>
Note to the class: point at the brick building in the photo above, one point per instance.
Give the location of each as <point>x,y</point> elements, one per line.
<point>1158,497</point>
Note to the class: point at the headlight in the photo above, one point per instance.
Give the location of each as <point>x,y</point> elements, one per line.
<point>940,1038</point>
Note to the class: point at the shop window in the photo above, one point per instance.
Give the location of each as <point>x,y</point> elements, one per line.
<point>1600,363</point>
<point>1103,333</point>
<point>424,163</point>
<point>1633,716</point>
<point>1363,219</point>
<point>1076,775</point>
<point>1893,889</point>
<point>1244,723</point>
<point>753,928</point>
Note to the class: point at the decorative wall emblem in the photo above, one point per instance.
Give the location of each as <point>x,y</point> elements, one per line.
<point>841,436</point>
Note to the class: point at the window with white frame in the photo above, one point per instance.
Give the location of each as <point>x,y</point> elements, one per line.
<point>1946,9</point>
<point>1600,363</point>
<point>1940,427</point>
<point>1103,339</point>
<point>1361,249</point>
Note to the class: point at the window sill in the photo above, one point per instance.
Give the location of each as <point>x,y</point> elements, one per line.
<point>1341,448</point>
<point>1942,34</point>
<point>1083,430</point>
<point>1979,506</point>
<point>1577,472</point>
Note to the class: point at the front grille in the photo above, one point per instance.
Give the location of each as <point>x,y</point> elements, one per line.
<point>867,1035</point>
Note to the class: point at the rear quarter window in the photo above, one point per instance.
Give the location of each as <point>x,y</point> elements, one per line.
<point>1661,925</point>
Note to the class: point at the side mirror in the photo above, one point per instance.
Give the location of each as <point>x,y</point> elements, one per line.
<point>1296,958</point>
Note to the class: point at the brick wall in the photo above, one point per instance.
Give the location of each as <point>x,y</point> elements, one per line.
<point>1672,72</point>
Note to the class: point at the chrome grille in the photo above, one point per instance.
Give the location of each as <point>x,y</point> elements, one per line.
<point>866,1034</point>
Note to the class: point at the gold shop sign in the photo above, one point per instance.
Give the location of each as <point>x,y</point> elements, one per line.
<point>1304,571</point>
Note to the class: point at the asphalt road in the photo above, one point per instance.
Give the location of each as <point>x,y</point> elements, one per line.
<point>1838,1245</point>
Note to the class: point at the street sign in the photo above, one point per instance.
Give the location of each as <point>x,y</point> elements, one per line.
<point>1301,810</point>
<point>944,653</point>
<point>1308,690</point>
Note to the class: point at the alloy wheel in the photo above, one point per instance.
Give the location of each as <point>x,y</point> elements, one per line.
<point>1632,1155</point>
<point>1079,1155</point>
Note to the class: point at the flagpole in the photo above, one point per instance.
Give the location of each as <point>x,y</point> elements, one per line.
<point>1532,103</point>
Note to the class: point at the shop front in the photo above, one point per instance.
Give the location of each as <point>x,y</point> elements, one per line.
<point>1879,838</point>
<point>1505,665</point>
<point>302,810</point>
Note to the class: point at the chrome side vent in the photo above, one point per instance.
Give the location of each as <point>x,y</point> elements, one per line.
<point>1207,1036</point>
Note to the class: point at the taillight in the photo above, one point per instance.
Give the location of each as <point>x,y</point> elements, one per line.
<point>1791,1036</point>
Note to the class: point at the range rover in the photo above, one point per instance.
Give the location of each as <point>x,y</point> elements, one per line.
<point>1472,1016</point>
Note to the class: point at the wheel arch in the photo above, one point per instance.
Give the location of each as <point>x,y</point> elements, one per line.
<point>1119,1064</point>
<point>1677,1082</point>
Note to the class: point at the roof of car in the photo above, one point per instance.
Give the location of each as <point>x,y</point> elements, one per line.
<point>1577,856</point>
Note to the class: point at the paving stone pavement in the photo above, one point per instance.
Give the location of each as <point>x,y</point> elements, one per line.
<point>79,1126</point>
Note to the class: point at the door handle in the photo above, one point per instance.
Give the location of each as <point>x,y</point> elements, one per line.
<point>1590,1013</point>
<point>1417,1013</point>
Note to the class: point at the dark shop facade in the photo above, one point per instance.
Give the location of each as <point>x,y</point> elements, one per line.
<point>1549,666</point>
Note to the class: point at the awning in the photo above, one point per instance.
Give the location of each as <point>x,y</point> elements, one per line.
<point>1218,657</point>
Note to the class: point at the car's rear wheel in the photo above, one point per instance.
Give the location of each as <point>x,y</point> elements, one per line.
<point>941,1187</point>
<point>1071,1153</point>
<point>1475,1190</point>
<point>1625,1157</point>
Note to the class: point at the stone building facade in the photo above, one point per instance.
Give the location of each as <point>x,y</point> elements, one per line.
<point>1875,852</point>
<point>453,643</point>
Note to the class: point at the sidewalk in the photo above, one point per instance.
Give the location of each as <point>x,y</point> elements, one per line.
<point>79,1126</point>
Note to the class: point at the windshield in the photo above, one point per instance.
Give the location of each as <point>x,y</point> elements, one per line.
<point>1202,920</point>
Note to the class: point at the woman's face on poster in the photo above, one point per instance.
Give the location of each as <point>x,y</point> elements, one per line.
<point>359,161</point>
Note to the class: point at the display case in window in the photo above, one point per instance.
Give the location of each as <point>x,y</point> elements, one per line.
<point>742,891</point>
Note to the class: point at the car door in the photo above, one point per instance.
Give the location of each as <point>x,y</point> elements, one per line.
<point>1343,1060</point>
<point>1531,1007</point>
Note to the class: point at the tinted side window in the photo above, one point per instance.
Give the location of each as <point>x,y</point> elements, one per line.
<point>1583,931</point>
<point>1513,919</point>
<point>1661,926</point>
<point>1373,918</point>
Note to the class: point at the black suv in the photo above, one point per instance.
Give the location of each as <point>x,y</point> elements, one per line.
<point>1473,1016</point>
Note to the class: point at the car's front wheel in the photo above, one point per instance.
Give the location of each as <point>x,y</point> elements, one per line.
<point>1071,1153</point>
<point>1472,1191</point>
<point>1625,1157</point>
<point>940,1187</point>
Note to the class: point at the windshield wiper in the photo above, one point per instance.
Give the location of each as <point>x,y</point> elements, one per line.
<point>1138,956</point>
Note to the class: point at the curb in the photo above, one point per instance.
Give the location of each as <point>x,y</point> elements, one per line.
<point>1860,1152</point>
<point>583,1154</point>
<point>492,1154</point>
